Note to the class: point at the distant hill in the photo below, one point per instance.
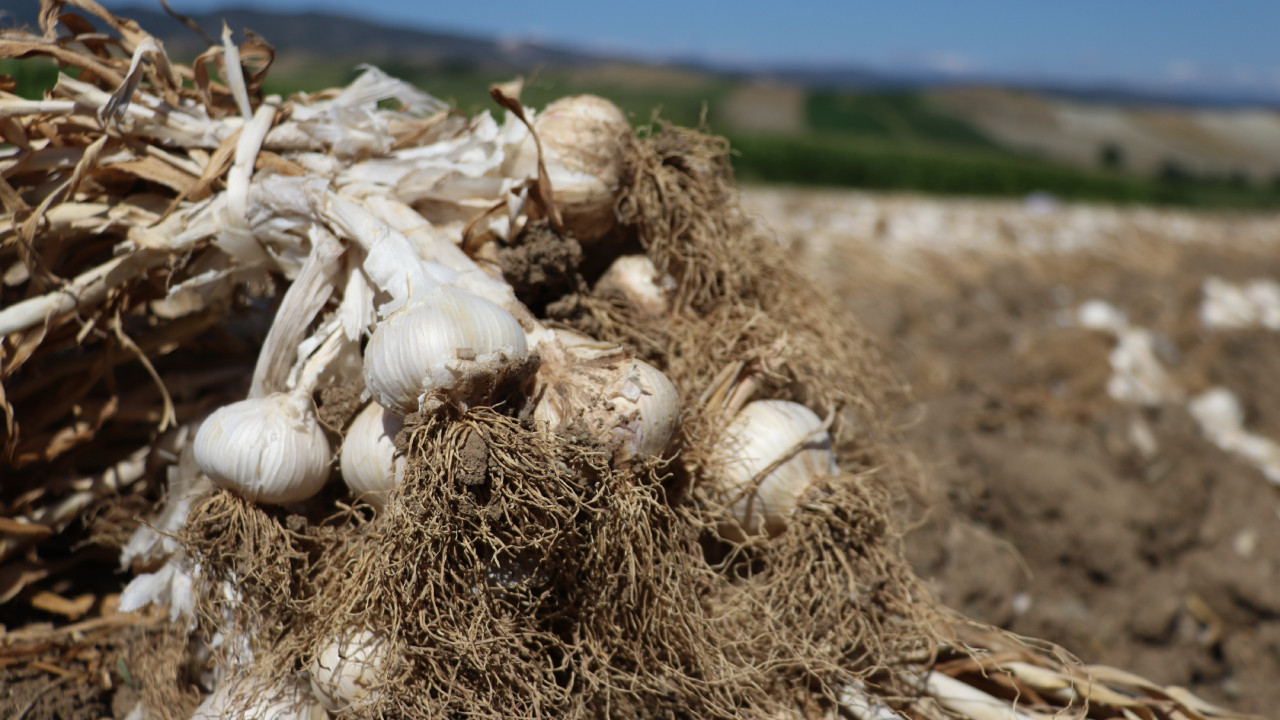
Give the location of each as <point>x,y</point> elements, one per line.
<point>1155,140</point>
<point>319,33</point>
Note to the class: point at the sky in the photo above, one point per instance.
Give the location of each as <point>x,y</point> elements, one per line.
<point>1232,44</point>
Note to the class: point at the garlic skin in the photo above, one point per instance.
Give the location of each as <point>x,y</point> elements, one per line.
<point>635,279</point>
<point>582,146</point>
<point>369,463</point>
<point>626,403</point>
<point>268,450</point>
<point>250,699</point>
<point>449,340</point>
<point>761,434</point>
<point>345,670</point>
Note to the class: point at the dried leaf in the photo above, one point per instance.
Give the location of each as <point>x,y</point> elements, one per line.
<point>507,95</point>
<point>15,577</point>
<point>58,605</point>
<point>14,48</point>
<point>15,527</point>
<point>308,293</point>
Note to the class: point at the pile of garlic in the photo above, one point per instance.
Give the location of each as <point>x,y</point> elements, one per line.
<point>383,298</point>
<point>372,247</point>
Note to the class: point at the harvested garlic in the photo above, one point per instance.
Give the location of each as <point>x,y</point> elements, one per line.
<point>627,403</point>
<point>344,672</point>
<point>268,449</point>
<point>450,341</point>
<point>369,463</point>
<point>635,279</point>
<point>582,146</point>
<point>252,699</point>
<point>435,337</point>
<point>781,434</point>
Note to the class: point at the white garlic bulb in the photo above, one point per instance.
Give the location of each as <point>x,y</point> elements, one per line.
<point>626,403</point>
<point>252,699</point>
<point>582,148</point>
<point>636,280</point>
<point>762,434</point>
<point>268,449</point>
<point>448,340</point>
<point>345,671</point>
<point>648,404</point>
<point>369,463</point>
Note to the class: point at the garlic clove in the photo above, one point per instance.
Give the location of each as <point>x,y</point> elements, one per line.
<point>369,462</point>
<point>763,433</point>
<point>450,341</point>
<point>626,403</point>
<point>268,450</point>
<point>648,404</point>
<point>582,146</point>
<point>252,699</point>
<point>636,280</point>
<point>345,671</point>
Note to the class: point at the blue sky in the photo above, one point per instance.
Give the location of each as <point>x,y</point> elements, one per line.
<point>1225,43</point>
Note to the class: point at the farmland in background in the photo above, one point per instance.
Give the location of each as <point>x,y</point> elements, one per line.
<point>876,140</point>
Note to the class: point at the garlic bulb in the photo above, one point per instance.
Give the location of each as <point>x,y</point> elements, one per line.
<point>449,340</point>
<point>635,279</point>
<point>764,433</point>
<point>268,449</point>
<point>251,699</point>
<point>648,404</point>
<point>582,150</point>
<point>346,669</point>
<point>368,461</point>
<point>626,403</point>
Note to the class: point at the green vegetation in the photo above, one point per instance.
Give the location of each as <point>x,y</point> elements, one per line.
<point>880,140</point>
<point>33,76</point>
<point>862,163</point>
<point>902,118</point>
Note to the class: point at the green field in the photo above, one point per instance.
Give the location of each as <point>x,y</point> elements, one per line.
<point>880,140</point>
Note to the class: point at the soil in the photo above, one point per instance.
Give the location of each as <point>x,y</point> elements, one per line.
<point>527,264</point>
<point>93,678</point>
<point>39,696</point>
<point>339,404</point>
<point>1046,511</point>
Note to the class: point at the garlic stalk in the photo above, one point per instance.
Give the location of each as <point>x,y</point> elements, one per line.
<point>369,462</point>
<point>304,298</point>
<point>771,453</point>
<point>626,403</point>
<point>344,672</point>
<point>432,246</point>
